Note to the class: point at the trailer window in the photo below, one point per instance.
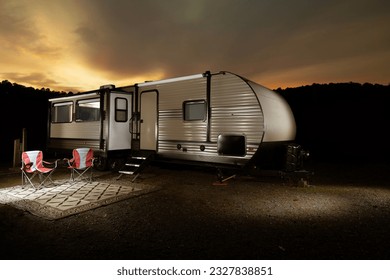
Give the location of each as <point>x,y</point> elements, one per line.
<point>88,110</point>
<point>194,110</point>
<point>62,112</point>
<point>121,109</point>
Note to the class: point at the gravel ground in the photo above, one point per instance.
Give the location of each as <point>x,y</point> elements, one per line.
<point>344,213</point>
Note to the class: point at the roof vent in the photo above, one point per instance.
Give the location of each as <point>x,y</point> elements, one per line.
<point>107,87</point>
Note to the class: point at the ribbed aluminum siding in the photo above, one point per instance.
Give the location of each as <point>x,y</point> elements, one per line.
<point>78,130</point>
<point>235,110</point>
<point>170,112</point>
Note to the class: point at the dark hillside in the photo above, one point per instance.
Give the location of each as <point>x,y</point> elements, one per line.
<point>344,121</point>
<point>22,107</point>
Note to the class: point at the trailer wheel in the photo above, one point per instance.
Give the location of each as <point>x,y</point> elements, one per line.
<point>116,164</point>
<point>101,163</point>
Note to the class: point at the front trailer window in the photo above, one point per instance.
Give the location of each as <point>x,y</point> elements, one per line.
<point>88,110</point>
<point>62,112</point>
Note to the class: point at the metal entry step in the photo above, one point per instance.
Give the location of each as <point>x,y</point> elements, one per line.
<point>135,165</point>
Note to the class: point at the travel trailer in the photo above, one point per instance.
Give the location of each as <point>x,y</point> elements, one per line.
<point>214,118</point>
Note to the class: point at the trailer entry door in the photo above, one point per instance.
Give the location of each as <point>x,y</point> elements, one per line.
<point>120,114</point>
<point>148,126</point>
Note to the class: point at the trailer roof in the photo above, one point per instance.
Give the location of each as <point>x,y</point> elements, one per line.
<point>74,96</point>
<point>171,80</point>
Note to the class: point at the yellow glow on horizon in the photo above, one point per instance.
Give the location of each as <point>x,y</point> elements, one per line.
<point>79,78</point>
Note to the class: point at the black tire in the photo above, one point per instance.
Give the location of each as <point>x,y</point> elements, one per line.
<point>116,164</point>
<point>101,163</point>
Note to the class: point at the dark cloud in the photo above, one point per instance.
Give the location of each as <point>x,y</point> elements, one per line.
<point>180,37</point>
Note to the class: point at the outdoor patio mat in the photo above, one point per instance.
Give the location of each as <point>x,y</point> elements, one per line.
<point>65,199</point>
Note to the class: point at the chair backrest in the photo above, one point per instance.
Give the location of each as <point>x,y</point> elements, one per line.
<point>34,158</point>
<point>82,158</point>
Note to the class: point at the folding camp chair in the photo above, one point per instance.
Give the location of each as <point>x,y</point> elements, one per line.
<point>33,164</point>
<point>81,164</point>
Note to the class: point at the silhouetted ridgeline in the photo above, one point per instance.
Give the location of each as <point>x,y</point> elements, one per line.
<point>343,121</point>
<point>22,107</point>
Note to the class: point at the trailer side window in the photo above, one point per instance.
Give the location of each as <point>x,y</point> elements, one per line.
<point>121,109</point>
<point>88,110</point>
<point>62,112</point>
<point>194,110</point>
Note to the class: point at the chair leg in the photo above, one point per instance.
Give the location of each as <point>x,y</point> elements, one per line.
<point>83,175</point>
<point>26,179</point>
<point>45,178</point>
<point>71,179</point>
<point>89,175</point>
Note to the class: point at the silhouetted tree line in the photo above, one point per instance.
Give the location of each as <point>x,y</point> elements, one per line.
<point>23,107</point>
<point>342,121</point>
<point>336,121</point>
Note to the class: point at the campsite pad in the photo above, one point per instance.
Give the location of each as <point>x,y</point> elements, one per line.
<point>65,199</point>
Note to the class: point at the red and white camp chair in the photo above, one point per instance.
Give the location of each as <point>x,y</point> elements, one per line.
<point>33,164</point>
<point>81,164</point>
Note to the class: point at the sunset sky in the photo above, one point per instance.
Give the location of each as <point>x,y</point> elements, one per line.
<point>77,45</point>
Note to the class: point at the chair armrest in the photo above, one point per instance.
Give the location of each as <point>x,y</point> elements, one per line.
<point>55,163</point>
<point>26,166</point>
